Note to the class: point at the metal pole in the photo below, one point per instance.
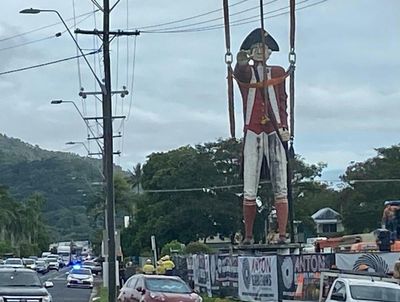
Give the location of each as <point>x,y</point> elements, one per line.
<point>108,154</point>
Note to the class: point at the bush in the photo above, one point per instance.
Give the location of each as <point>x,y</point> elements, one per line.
<point>197,248</point>
<point>172,247</point>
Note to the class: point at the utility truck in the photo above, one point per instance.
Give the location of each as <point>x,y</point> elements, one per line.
<point>354,286</point>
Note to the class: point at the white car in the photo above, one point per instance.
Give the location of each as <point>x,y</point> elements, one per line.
<point>53,263</point>
<point>352,290</point>
<point>80,277</point>
<point>29,263</point>
<point>14,262</point>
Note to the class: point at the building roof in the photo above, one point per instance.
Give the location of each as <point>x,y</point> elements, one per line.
<point>326,214</point>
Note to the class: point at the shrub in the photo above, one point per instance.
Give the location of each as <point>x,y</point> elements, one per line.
<point>197,248</point>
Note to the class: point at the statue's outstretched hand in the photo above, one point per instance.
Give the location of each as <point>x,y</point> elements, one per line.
<point>284,134</point>
<point>242,57</point>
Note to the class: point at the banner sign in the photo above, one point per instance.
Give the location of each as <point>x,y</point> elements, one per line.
<point>376,262</point>
<point>258,280</point>
<point>201,273</point>
<point>227,270</point>
<point>299,275</point>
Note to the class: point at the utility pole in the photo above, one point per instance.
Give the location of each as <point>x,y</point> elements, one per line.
<point>108,142</point>
<point>108,154</point>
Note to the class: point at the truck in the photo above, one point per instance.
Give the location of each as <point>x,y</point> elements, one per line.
<point>64,251</point>
<point>351,286</point>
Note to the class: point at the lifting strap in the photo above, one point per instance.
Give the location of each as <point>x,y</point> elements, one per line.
<point>265,83</point>
<point>228,61</point>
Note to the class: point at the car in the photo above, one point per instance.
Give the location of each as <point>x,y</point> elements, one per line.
<point>93,266</point>
<point>23,284</point>
<point>42,266</point>
<point>350,289</point>
<point>150,288</point>
<point>14,262</point>
<point>80,277</point>
<point>53,262</point>
<point>29,263</point>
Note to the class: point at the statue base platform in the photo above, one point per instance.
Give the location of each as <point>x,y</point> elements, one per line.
<point>257,249</point>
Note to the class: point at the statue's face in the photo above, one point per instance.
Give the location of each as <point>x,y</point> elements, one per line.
<point>256,52</point>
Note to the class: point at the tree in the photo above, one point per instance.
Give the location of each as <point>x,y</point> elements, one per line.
<point>135,177</point>
<point>369,185</point>
<point>183,204</point>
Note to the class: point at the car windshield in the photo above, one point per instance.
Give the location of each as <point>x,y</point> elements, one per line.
<point>13,261</point>
<point>17,278</point>
<point>375,293</point>
<point>40,262</point>
<point>29,261</point>
<point>167,286</point>
<point>81,271</point>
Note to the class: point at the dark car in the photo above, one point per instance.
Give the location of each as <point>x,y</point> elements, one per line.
<point>152,288</point>
<point>23,284</point>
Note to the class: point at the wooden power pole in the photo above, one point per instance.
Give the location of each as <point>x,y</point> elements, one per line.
<point>108,143</point>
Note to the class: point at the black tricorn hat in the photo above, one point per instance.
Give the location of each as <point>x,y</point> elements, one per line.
<point>255,37</point>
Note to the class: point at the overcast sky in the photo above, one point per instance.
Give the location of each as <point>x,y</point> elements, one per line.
<point>347,76</point>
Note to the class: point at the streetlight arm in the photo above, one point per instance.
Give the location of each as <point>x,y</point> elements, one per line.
<point>81,115</point>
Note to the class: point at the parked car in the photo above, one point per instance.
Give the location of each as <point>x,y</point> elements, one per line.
<point>157,288</point>
<point>29,263</point>
<point>14,262</point>
<point>42,266</point>
<point>93,266</point>
<point>23,284</point>
<point>80,277</point>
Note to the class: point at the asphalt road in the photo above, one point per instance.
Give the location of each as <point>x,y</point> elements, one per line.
<point>60,291</point>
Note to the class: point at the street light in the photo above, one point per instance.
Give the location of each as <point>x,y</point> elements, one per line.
<point>56,102</point>
<point>34,11</point>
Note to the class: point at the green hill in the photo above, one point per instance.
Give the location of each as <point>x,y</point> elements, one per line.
<point>65,180</point>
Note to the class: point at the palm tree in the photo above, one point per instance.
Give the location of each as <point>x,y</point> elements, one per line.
<point>135,178</point>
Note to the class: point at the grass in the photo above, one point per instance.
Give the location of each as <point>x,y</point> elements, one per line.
<point>103,294</point>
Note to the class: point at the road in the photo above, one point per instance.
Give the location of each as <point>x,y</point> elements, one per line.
<point>60,291</point>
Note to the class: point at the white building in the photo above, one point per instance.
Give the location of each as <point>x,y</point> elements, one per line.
<point>327,221</point>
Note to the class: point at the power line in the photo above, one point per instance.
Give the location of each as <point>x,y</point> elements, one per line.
<point>204,189</point>
<point>220,18</point>
<point>235,23</point>
<point>42,39</point>
<point>192,17</point>
<point>44,27</point>
<point>207,189</point>
<point>31,42</point>
<point>48,63</point>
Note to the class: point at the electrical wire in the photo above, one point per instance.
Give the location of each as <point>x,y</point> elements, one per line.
<point>132,80</point>
<point>207,189</point>
<point>47,63</point>
<point>233,14</point>
<point>43,39</point>
<point>116,79</point>
<point>45,27</point>
<point>234,23</point>
<point>97,4</point>
<point>204,189</point>
<point>29,42</point>
<point>190,18</point>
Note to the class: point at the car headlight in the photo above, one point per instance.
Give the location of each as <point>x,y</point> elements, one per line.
<point>199,299</point>
<point>47,298</point>
<point>69,278</point>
